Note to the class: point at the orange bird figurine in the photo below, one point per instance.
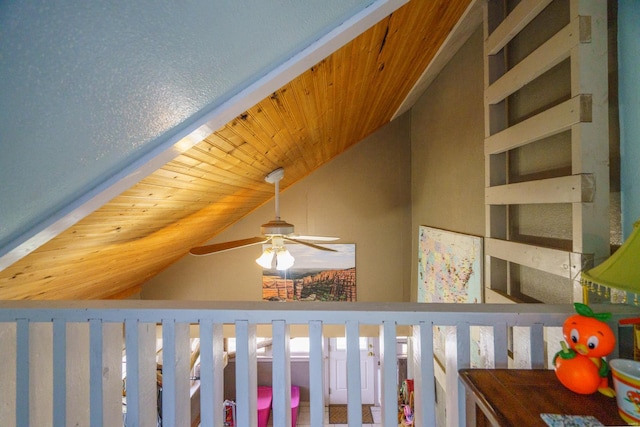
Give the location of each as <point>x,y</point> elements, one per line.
<point>582,367</point>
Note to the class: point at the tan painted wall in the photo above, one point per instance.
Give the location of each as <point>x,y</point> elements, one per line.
<point>363,196</point>
<point>447,157</point>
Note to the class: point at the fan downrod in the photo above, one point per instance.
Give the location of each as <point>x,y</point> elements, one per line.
<point>276,227</point>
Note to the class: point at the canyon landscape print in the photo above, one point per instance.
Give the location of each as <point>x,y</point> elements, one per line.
<point>315,276</point>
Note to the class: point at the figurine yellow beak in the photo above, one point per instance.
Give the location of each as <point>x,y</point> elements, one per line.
<point>582,349</point>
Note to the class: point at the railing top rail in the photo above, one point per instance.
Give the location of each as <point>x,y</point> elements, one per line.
<point>261,312</point>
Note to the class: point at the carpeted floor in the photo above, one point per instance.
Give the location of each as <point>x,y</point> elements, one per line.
<point>338,414</point>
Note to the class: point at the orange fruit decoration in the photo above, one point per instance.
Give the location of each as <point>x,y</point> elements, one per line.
<point>582,367</point>
<point>577,373</point>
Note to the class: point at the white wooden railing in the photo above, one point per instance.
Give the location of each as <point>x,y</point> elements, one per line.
<point>61,361</point>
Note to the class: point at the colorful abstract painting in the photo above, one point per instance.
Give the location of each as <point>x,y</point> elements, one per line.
<point>449,266</point>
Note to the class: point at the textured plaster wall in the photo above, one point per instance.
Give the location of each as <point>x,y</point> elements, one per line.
<point>447,157</point>
<point>362,196</point>
<point>89,87</point>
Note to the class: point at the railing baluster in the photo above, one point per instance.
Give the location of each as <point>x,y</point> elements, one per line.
<point>522,351</point>
<point>78,373</point>
<point>389,359</point>
<point>218,374</point>
<point>132,380</point>
<point>8,353</point>
<point>616,332</point>
<point>424,387</point>
<point>537,346</point>
<point>111,371</point>
<point>206,376</point>
<point>281,374</point>
<point>22,373</point>
<point>316,374</point>
<point>246,374</point>
<point>464,345</point>
<point>463,361</point>
<point>176,403</point>
<point>59,373</point>
<point>95,372</point>
<point>354,393</point>
<point>168,373</point>
<point>500,354</point>
<point>147,375</point>
<point>41,372</point>
<point>211,374</point>
<point>183,375</point>
<point>141,375</point>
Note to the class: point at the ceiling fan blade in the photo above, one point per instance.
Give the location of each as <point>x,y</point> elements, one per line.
<point>322,248</point>
<point>316,238</point>
<point>227,246</point>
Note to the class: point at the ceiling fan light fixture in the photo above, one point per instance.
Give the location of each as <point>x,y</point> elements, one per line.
<point>266,259</point>
<point>284,259</point>
<point>275,232</point>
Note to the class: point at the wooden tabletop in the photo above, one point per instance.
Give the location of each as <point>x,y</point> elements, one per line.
<point>515,397</point>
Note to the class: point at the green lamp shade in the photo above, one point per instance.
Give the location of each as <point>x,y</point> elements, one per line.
<point>622,269</point>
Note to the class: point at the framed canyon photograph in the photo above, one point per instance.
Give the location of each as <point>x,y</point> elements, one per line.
<point>316,275</point>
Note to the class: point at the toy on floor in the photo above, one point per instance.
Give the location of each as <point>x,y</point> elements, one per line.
<point>405,403</point>
<point>229,413</point>
<point>407,416</point>
<point>581,366</point>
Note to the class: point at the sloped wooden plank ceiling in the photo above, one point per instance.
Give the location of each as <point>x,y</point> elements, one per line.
<point>300,127</point>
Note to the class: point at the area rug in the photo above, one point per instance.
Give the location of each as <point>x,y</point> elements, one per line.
<point>338,414</point>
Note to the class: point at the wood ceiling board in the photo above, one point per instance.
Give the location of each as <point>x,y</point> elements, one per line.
<point>129,206</point>
<point>251,159</point>
<point>112,264</point>
<point>219,145</point>
<point>261,150</point>
<point>301,126</point>
<point>294,119</point>
<point>227,182</point>
<point>80,237</point>
<point>168,178</point>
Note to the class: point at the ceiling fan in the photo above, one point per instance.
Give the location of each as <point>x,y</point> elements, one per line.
<point>276,231</point>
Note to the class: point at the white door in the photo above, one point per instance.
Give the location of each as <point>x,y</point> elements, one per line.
<point>338,370</point>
